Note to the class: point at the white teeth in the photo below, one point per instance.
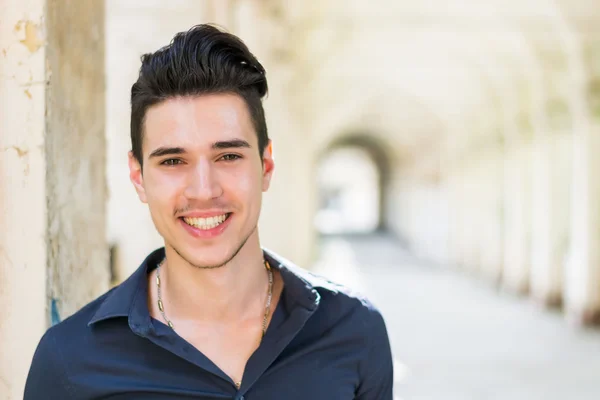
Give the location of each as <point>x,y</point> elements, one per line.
<point>206,223</point>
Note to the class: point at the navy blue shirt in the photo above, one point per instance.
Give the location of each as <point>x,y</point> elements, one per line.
<point>322,343</point>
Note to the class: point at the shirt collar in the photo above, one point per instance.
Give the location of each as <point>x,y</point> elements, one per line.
<point>123,301</point>
<point>129,299</point>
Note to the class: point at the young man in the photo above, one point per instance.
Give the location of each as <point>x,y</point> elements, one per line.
<point>211,315</point>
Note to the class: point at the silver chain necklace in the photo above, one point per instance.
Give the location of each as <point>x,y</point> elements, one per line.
<point>267,305</point>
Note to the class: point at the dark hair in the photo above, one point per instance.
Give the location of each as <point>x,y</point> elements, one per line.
<point>203,60</point>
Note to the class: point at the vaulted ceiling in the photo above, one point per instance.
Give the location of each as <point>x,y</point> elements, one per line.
<point>425,73</point>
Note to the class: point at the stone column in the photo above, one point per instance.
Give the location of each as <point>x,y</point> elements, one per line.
<point>76,154</point>
<point>286,223</point>
<point>550,198</point>
<point>53,253</point>
<point>492,228</point>
<point>457,196</point>
<point>582,275</point>
<point>550,216</point>
<point>517,203</point>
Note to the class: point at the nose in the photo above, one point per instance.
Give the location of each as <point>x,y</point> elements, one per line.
<point>203,183</point>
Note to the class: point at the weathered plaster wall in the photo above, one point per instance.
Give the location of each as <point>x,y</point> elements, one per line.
<point>22,189</point>
<point>75,152</point>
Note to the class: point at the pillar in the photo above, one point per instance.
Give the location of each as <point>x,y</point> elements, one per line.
<point>551,178</point>
<point>53,253</point>
<point>492,227</point>
<point>517,205</point>
<point>582,275</point>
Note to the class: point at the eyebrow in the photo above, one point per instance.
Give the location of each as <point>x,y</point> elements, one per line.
<point>225,144</point>
<point>164,151</point>
<point>229,144</point>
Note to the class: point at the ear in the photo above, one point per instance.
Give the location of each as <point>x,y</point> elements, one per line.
<point>268,166</point>
<point>136,177</point>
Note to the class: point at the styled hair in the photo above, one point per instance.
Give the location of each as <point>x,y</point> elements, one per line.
<point>203,60</point>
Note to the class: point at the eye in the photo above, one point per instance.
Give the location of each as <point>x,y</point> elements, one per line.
<point>171,162</point>
<point>230,157</point>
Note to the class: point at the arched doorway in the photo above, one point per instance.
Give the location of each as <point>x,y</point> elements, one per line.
<point>352,176</point>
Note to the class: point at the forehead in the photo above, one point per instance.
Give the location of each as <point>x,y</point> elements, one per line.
<point>197,121</point>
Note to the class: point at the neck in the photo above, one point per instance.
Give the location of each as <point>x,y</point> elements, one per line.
<point>219,294</point>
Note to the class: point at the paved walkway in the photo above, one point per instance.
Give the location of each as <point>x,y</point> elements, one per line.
<point>453,337</point>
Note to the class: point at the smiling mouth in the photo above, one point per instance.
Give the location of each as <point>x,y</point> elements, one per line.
<point>206,224</point>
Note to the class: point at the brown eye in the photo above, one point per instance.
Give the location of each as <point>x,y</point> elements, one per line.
<point>171,162</point>
<point>230,157</point>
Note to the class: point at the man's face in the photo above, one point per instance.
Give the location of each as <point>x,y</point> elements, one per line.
<point>203,176</point>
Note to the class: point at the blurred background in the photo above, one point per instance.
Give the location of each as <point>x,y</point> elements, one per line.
<point>440,156</point>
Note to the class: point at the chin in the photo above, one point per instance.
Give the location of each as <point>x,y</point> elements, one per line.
<point>210,252</point>
<point>206,257</point>
<point>209,263</point>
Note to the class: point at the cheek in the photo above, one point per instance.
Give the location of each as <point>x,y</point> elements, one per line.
<point>163,190</point>
<point>245,185</point>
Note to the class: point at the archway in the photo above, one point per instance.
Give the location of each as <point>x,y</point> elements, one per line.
<point>352,177</point>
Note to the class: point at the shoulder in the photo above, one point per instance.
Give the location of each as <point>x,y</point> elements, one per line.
<point>341,304</point>
<point>48,374</point>
<point>345,301</point>
<point>78,322</point>
<point>114,303</point>
<point>68,334</point>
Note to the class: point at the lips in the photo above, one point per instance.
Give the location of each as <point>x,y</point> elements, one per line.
<point>206,223</point>
<point>206,227</point>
